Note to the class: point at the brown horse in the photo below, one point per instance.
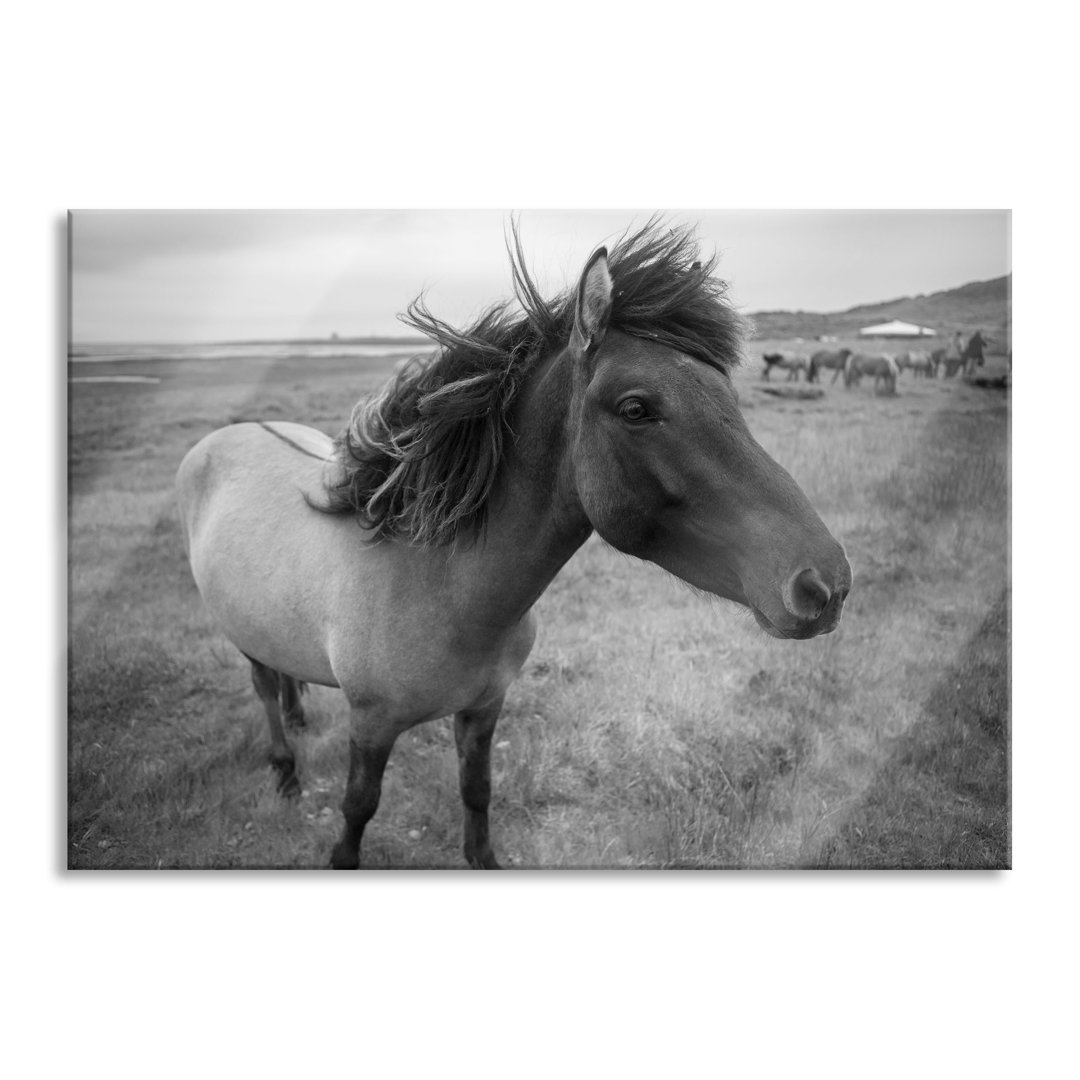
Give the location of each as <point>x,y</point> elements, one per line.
<point>972,356</point>
<point>792,363</point>
<point>826,358</point>
<point>402,562</point>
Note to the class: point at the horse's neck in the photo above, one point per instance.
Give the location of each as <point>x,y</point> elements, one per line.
<point>535,520</point>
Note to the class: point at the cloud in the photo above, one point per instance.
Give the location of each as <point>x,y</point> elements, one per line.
<point>229,275</point>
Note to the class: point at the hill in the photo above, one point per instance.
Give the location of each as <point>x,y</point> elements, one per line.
<point>978,305</point>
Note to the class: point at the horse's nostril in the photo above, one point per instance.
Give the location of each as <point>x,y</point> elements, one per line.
<point>807,594</point>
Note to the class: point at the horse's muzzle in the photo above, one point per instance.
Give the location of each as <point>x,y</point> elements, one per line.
<point>811,606</point>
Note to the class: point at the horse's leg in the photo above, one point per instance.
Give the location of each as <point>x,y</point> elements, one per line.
<point>291,689</point>
<point>267,684</point>
<point>473,731</point>
<point>369,751</point>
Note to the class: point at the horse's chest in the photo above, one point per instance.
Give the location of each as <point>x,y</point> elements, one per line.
<point>437,673</point>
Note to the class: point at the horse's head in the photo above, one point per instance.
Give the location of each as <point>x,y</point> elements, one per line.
<point>666,469</point>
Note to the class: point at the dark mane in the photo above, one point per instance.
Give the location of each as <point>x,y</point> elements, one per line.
<point>420,457</point>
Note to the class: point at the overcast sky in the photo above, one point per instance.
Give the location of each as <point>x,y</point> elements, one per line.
<point>229,275</point>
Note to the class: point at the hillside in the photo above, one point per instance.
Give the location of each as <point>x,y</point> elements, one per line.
<point>978,305</point>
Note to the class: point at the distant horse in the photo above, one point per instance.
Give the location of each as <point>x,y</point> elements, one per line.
<point>972,355</point>
<point>826,358</point>
<point>882,366</point>
<point>954,355</point>
<point>792,363</point>
<point>917,361</point>
<point>401,563</point>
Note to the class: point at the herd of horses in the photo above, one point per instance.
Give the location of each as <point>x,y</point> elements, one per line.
<point>958,356</point>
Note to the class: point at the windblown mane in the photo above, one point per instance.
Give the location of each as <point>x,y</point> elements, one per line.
<point>420,457</point>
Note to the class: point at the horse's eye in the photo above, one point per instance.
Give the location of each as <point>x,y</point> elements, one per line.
<point>634,411</point>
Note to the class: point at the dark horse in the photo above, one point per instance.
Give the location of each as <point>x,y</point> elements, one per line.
<point>792,363</point>
<point>827,358</point>
<point>972,355</point>
<point>401,563</point>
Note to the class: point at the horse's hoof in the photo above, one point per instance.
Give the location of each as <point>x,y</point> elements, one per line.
<point>484,860</point>
<point>344,858</point>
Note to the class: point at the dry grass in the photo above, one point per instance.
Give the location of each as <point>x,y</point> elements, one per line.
<point>651,727</point>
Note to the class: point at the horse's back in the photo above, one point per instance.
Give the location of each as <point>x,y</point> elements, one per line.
<point>246,463</point>
<point>873,363</point>
<point>830,358</point>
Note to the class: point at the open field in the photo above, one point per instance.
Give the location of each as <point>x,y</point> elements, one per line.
<point>651,727</point>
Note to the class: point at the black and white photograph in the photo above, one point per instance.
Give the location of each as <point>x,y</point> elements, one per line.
<point>539,539</point>
<point>579,440</point>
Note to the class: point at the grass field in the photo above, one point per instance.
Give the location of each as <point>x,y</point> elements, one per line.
<point>651,727</point>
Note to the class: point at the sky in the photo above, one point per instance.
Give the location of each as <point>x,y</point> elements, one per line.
<point>179,276</point>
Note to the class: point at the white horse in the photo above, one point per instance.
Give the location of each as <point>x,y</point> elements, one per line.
<point>881,365</point>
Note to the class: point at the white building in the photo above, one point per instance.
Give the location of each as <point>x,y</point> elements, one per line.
<point>896,328</point>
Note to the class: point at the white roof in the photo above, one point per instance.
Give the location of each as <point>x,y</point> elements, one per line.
<point>899,329</point>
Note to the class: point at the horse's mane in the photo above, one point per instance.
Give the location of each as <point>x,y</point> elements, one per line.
<point>420,457</point>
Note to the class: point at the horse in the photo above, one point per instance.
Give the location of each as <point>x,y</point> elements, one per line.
<point>882,366</point>
<point>792,363</point>
<point>954,355</point>
<point>826,358</point>
<point>972,355</point>
<point>918,361</point>
<point>401,561</point>
<point>937,358</point>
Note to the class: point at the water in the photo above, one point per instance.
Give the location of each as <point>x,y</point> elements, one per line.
<point>275,350</point>
<point>115,378</point>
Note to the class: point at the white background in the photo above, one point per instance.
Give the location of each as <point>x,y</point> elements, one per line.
<point>121,105</point>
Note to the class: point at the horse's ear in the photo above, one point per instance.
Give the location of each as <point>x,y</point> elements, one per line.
<point>593,307</point>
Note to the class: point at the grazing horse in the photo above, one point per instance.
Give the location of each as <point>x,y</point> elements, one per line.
<point>826,358</point>
<point>401,563</point>
<point>918,361</point>
<point>882,366</point>
<point>792,363</point>
<point>954,355</point>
